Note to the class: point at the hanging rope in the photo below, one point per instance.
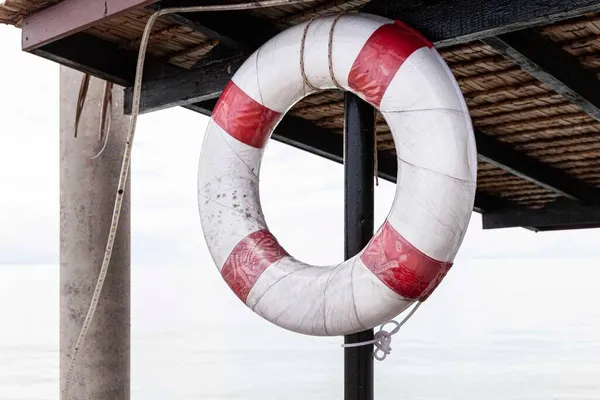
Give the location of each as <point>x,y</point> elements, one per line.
<point>302,43</point>
<point>329,53</point>
<point>383,339</point>
<point>106,107</point>
<point>105,110</point>
<point>105,116</point>
<point>330,50</point>
<point>83,89</point>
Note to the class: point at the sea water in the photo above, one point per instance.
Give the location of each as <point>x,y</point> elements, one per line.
<point>495,329</point>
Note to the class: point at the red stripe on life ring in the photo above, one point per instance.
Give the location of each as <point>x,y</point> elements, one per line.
<point>401,266</point>
<point>381,57</point>
<point>244,118</point>
<point>249,259</point>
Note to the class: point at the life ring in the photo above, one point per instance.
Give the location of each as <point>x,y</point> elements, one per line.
<point>399,72</point>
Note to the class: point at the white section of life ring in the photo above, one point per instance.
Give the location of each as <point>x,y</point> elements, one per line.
<point>400,73</point>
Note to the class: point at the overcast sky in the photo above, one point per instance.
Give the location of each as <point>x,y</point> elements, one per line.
<point>302,194</point>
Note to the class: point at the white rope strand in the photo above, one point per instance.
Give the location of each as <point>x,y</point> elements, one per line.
<point>127,153</point>
<point>106,117</point>
<point>383,339</point>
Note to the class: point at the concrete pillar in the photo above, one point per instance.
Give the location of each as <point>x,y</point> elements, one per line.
<point>87,194</point>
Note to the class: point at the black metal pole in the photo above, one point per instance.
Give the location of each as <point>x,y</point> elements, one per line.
<point>359,142</point>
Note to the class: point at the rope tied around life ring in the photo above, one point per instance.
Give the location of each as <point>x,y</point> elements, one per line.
<point>333,79</point>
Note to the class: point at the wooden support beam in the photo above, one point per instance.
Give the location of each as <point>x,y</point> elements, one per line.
<point>451,22</point>
<point>503,156</point>
<point>485,202</point>
<point>185,87</point>
<point>100,58</point>
<point>549,63</point>
<point>442,22</point>
<point>204,107</point>
<point>69,17</point>
<point>545,219</point>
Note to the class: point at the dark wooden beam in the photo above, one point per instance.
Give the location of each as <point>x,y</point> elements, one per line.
<point>185,87</point>
<point>441,21</point>
<point>545,219</point>
<point>69,17</point>
<point>488,202</point>
<point>504,156</point>
<point>90,54</point>
<point>205,107</point>
<point>450,22</point>
<point>550,64</point>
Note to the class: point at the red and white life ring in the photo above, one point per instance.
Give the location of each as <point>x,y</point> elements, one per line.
<point>399,72</point>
